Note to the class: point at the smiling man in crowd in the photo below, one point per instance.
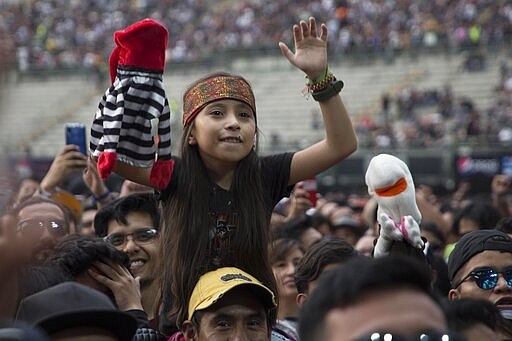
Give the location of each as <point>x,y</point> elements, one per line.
<point>132,224</point>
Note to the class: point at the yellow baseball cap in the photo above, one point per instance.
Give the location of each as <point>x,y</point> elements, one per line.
<point>214,284</point>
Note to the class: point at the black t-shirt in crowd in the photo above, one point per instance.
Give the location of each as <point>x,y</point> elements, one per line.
<point>275,173</point>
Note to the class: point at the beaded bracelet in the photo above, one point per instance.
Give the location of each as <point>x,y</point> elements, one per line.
<point>319,78</point>
<point>321,82</point>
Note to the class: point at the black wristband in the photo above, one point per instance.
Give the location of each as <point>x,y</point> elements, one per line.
<point>332,90</point>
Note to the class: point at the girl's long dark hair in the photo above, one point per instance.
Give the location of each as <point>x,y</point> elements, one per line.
<point>185,240</point>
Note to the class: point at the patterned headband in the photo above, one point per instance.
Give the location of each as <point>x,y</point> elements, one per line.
<point>212,89</point>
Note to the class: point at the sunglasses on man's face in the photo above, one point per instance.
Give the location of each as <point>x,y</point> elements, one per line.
<point>487,278</point>
<point>56,227</point>
<point>140,236</point>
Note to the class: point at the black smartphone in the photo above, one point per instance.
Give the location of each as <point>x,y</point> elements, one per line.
<point>75,134</point>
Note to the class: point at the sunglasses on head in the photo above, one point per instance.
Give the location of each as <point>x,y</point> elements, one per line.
<point>56,227</point>
<point>140,236</point>
<point>426,336</point>
<point>487,278</point>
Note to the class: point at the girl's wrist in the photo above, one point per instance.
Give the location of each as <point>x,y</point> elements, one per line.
<point>317,76</point>
<point>324,86</point>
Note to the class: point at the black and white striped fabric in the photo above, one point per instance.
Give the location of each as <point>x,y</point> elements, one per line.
<point>130,114</point>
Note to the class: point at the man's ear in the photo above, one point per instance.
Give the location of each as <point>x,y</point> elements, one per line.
<point>188,330</point>
<point>300,299</point>
<point>453,294</point>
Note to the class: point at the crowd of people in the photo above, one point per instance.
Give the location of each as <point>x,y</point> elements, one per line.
<point>218,243</point>
<point>435,117</point>
<point>53,34</point>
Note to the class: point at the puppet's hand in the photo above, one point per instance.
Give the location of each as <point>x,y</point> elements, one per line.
<point>389,229</point>
<point>411,231</point>
<point>389,232</point>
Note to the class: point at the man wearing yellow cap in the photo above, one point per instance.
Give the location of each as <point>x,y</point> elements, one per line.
<point>228,303</point>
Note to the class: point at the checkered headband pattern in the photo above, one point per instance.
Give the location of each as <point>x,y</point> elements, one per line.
<point>131,112</point>
<point>216,88</point>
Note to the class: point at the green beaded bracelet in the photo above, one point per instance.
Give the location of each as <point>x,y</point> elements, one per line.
<point>332,90</point>
<point>319,78</point>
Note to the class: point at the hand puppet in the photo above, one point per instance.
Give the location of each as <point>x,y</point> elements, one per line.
<point>132,122</point>
<point>390,183</point>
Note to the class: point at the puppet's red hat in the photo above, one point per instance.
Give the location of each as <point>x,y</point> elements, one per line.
<point>141,45</point>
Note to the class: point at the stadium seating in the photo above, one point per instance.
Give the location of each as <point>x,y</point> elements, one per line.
<point>37,110</point>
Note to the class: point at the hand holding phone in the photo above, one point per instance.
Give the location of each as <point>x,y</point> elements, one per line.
<point>310,185</point>
<point>76,135</point>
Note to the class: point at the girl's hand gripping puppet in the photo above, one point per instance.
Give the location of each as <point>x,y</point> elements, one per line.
<point>390,183</point>
<point>132,122</point>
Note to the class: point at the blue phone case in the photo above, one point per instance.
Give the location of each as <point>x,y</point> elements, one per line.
<point>75,134</point>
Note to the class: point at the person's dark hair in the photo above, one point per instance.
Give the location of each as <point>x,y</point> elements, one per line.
<point>464,313</point>
<point>346,284</point>
<point>118,209</point>
<point>74,254</point>
<point>328,250</point>
<point>280,248</point>
<point>39,277</point>
<point>432,227</point>
<point>350,224</point>
<point>482,212</point>
<point>505,225</point>
<point>293,228</point>
<point>185,242</point>
<point>316,218</point>
<point>441,284</point>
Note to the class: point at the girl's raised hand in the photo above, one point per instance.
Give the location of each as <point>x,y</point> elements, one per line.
<point>310,48</point>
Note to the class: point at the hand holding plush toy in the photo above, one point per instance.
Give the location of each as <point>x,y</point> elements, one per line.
<point>390,182</point>
<point>132,122</point>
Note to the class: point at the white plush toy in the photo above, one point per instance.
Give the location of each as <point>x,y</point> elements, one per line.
<point>390,183</point>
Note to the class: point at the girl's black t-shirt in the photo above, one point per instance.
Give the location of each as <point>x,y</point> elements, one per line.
<point>275,173</point>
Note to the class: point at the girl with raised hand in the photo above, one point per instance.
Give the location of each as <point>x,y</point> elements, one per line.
<point>218,203</point>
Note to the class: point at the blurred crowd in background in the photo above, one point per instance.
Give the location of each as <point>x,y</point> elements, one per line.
<point>52,34</point>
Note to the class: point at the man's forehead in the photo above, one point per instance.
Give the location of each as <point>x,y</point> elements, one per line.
<point>134,219</point>
<point>40,209</point>
<point>241,300</point>
<point>490,258</point>
<point>237,310</point>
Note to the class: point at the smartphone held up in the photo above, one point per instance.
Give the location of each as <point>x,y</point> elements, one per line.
<point>310,185</point>
<point>76,135</point>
